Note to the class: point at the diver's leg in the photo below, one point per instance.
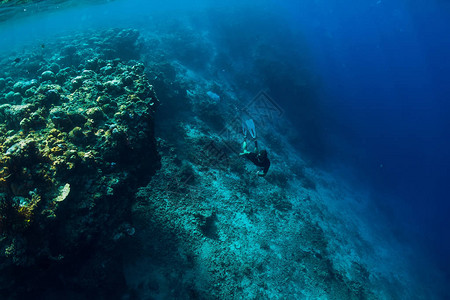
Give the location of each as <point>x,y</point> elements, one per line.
<point>244,147</point>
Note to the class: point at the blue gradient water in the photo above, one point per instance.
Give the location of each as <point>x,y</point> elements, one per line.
<point>385,86</point>
<point>378,102</point>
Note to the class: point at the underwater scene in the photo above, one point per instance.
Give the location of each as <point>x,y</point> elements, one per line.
<point>224,150</point>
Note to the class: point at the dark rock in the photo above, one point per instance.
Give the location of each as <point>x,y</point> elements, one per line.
<point>92,64</point>
<point>13,98</point>
<point>61,119</point>
<point>69,50</point>
<point>48,76</point>
<point>54,68</point>
<point>52,97</point>
<point>76,82</point>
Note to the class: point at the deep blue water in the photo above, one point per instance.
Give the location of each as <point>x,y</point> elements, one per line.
<point>376,98</point>
<point>385,85</point>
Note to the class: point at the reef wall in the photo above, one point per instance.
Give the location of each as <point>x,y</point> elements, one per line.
<point>76,140</point>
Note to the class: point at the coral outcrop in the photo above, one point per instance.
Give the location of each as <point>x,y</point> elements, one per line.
<point>75,143</point>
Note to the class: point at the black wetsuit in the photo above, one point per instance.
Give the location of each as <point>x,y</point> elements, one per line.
<point>263,162</point>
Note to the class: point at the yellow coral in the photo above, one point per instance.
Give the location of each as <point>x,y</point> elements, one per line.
<point>26,211</point>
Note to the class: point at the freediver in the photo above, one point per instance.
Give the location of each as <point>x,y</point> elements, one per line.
<point>257,157</point>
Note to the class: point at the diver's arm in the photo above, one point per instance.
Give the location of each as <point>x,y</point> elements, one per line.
<point>264,171</point>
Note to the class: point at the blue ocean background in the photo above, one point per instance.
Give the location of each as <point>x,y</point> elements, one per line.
<point>385,85</point>
<point>366,85</point>
<point>384,90</point>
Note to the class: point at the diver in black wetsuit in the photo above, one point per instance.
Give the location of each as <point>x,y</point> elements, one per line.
<point>258,158</point>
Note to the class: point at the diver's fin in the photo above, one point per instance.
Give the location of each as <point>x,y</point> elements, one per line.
<point>244,129</point>
<point>251,127</point>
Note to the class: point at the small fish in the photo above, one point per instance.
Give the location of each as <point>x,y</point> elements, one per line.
<point>42,46</point>
<point>17,60</point>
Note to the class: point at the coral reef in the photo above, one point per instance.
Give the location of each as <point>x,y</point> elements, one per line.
<point>75,143</point>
